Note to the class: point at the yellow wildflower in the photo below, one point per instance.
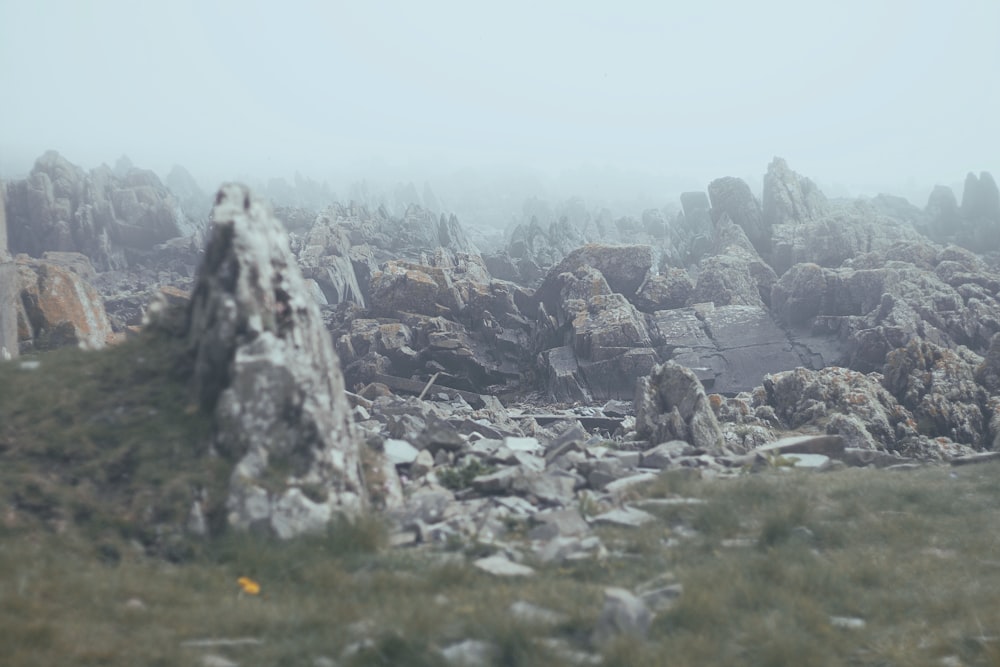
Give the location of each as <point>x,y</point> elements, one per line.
<point>249,586</point>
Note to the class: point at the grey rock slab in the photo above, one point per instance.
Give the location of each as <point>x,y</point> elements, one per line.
<point>665,453</point>
<point>983,457</point>
<point>629,517</point>
<point>830,445</point>
<point>501,566</point>
<point>654,503</point>
<point>469,653</point>
<point>523,444</point>
<point>400,452</point>
<point>497,482</point>
<point>623,614</point>
<point>812,461</point>
<point>620,485</point>
<point>555,523</point>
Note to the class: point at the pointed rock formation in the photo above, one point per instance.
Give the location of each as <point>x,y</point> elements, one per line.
<point>8,290</point>
<point>267,368</point>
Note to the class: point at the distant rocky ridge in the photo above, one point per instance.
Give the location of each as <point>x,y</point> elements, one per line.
<point>723,324</point>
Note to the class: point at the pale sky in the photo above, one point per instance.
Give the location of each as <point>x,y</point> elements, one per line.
<point>849,92</point>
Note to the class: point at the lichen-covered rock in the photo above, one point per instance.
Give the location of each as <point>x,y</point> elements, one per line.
<point>58,307</point>
<point>800,397</point>
<point>670,404</point>
<point>664,291</point>
<point>624,268</point>
<point>405,287</point>
<point>789,197</point>
<point>938,386</point>
<point>735,274</point>
<point>265,366</point>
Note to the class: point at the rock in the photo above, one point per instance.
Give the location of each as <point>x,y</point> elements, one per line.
<point>58,307</point>
<point>623,614</point>
<point>400,452</point>
<point>664,454</point>
<point>670,404</point>
<point>938,386</point>
<point>623,267</point>
<point>731,197</point>
<point>501,566</point>
<point>830,445</point>
<point>735,274</point>
<point>629,517</point>
<point>558,523</point>
<point>265,367</point>
<point>9,289</point>
<point>664,291</point>
<point>838,236</point>
<point>746,345</point>
<point>790,198</point>
<point>100,214</point>
<point>469,653</point>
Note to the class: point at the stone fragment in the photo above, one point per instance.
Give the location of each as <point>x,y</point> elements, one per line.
<point>501,566</point>
<point>623,614</point>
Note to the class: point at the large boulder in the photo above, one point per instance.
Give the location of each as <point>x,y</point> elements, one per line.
<point>735,274</point>
<point>266,368</point>
<point>790,198</point>
<point>58,306</point>
<point>624,267</point>
<point>670,404</point>
<point>731,197</point>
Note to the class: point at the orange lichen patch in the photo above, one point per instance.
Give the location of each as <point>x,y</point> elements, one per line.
<point>715,400</point>
<point>248,586</point>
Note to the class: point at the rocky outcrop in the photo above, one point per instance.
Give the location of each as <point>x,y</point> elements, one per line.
<point>975,224</point>
<point>60,207</point>
<point>624,267</point>
<point>789,198</point>
<point>911,291</point>
<point>670,404</point>
<point>837,237</point>
<point>58,306</point>
<point>732,197</point>
<point>266,368</point>
<point>735,274</point>
<point>194,202</point>
<point>8,290</point>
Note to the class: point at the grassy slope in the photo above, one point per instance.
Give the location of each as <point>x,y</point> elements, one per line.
<point>915,554</point>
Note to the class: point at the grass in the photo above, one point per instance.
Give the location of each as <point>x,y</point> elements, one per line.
<point>767,560</point>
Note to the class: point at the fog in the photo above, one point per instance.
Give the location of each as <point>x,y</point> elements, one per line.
<point>638,98</point>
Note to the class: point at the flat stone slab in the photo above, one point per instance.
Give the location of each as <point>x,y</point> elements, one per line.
<point>501,566</point>
<point>400,452</point>
<point>620,485</point>
<point>627,516</point>
<point>830,445</point>
<point>984,457</point>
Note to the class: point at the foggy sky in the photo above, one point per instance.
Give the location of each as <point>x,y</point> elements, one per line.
<point>860,94</point>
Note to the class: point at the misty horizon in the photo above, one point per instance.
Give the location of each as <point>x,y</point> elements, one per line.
<point>566,99</point>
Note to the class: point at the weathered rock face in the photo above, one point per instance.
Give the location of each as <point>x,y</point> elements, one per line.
<point>670,404</point>
<point>57,304</point>
<point>60,207</point>
<point>837,237</point>
<point>938,386</point>
<point>265,366</point>
<point>735,274</point>
<point>789,198</point>
<point>732,197</point>
<point>942,295</point>
<point>981,199</point>
<point>195,203</point>
<point>623,267</point>
<point>8,290</point>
